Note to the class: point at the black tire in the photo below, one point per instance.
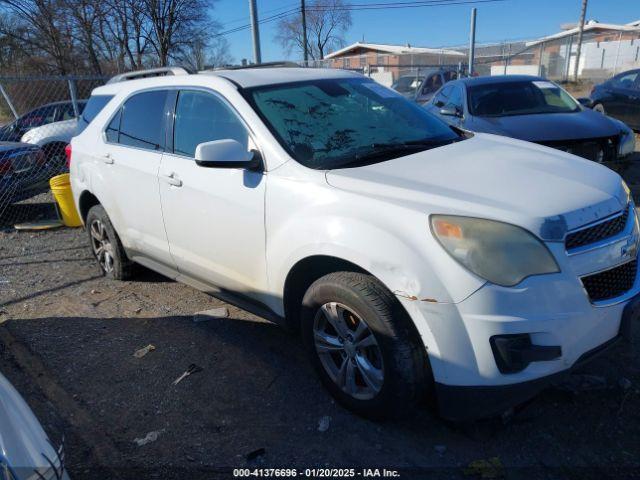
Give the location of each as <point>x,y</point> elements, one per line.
<point>406,371</point>
<point>120,268</point>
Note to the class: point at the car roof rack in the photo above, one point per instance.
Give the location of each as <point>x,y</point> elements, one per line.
<point>283,64</point>
<point>152,72</point>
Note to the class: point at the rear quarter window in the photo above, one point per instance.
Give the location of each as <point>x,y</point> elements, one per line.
<point>91,109</point>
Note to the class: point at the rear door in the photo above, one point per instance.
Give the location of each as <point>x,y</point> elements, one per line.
<point>214,217</point>
<point>134,141</point>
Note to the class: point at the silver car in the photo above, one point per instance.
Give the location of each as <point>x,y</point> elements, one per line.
<point>26,453</point>
<point>421,85</point>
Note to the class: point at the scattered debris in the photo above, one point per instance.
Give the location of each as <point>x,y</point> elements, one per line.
<point>143,351</point>
<point>255,454</point>
<point>94,291</point>
<point>193,368</point>
<point>206,315</point>
<point>490,468</point>
<point>624,383</point>
<point>440,449</point>
<point>323,424</point>
<point>150,438</point>
<point>577,383</point>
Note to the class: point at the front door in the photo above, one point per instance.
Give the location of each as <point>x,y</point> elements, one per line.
<point>214,217</point>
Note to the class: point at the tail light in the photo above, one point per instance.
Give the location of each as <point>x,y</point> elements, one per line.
<point>67,152</point>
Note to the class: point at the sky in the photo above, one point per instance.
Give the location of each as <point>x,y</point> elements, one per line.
<point>434,26</point>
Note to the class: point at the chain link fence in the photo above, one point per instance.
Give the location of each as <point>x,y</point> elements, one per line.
<point>606,51</point>
<point>38,117</point>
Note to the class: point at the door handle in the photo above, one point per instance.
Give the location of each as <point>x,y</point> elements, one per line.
<point>171,179</point>
<point>107,158</point>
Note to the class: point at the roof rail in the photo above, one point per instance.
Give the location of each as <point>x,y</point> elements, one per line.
<point>152,72</point>
<point>260,65</point>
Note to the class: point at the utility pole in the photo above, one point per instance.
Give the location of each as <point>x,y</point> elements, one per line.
<point>472,41</point>
<point>583,13</point>
<point>305,47</point>
<point>253,14</point>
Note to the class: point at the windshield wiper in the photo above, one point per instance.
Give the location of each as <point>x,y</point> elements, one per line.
<point>387,151</point>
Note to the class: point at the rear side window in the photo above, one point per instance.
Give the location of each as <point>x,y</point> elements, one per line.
<point>203,117</point>
<point>142,122</point>
<point>91,109</point>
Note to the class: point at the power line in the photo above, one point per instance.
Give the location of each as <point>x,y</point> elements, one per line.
<point>358,7</point>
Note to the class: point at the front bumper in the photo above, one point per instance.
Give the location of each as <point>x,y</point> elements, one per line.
<point>470,386</point>
<point>462,403</point>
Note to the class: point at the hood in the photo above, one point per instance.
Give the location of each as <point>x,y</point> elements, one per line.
<point>63,130</point>
<point>539,188</point>
<point>547,127</point>
<point>22,440</point>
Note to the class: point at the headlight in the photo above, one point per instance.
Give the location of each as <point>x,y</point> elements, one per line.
<point>627,143</point>
<point>498,252</point>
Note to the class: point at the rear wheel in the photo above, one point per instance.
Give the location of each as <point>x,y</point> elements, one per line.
<point>106,245</point>
<point>364,345</point>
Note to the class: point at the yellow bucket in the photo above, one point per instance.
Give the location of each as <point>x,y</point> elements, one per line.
<point>61,189</point>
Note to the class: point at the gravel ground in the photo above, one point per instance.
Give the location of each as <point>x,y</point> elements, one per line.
<point>67,338</point>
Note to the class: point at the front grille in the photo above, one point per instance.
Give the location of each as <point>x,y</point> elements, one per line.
<point>598,232</point>
<point>611,283</point>
<point>599,150</point>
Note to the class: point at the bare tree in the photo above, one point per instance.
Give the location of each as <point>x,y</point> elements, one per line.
<point>100,36</point>
<point>327,23</point>
<point>174,24</point>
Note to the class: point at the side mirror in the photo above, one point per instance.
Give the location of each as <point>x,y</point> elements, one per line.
<point>450,111</point>
<point>584,101</point>
<point>226,153</point>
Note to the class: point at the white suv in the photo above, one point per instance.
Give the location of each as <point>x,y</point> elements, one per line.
<point>415,259</point>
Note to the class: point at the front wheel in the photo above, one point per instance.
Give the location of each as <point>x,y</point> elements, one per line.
<point>363,345</point>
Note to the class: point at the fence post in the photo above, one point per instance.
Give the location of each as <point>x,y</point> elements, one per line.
<point>540,59</point>
<point>73,93</point>
<point>615,64</point>
<point>568,61</point>
<point>8,100</point>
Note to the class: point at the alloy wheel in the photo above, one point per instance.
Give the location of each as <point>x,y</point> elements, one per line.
<point>101,245</point>
<point>348,351</point>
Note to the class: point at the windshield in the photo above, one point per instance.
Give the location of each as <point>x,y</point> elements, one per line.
<point>326,124</point>
<point>407,84</point>
<point>519,98</point>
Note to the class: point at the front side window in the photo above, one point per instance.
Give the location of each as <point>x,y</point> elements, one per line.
<point>335,123</point>
<point>203,117</point>
<point>519,98</point>
<point>142,123</point>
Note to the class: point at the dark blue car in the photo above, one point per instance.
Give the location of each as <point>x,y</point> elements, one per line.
<point>24,172</point>
<point>532,109</point>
